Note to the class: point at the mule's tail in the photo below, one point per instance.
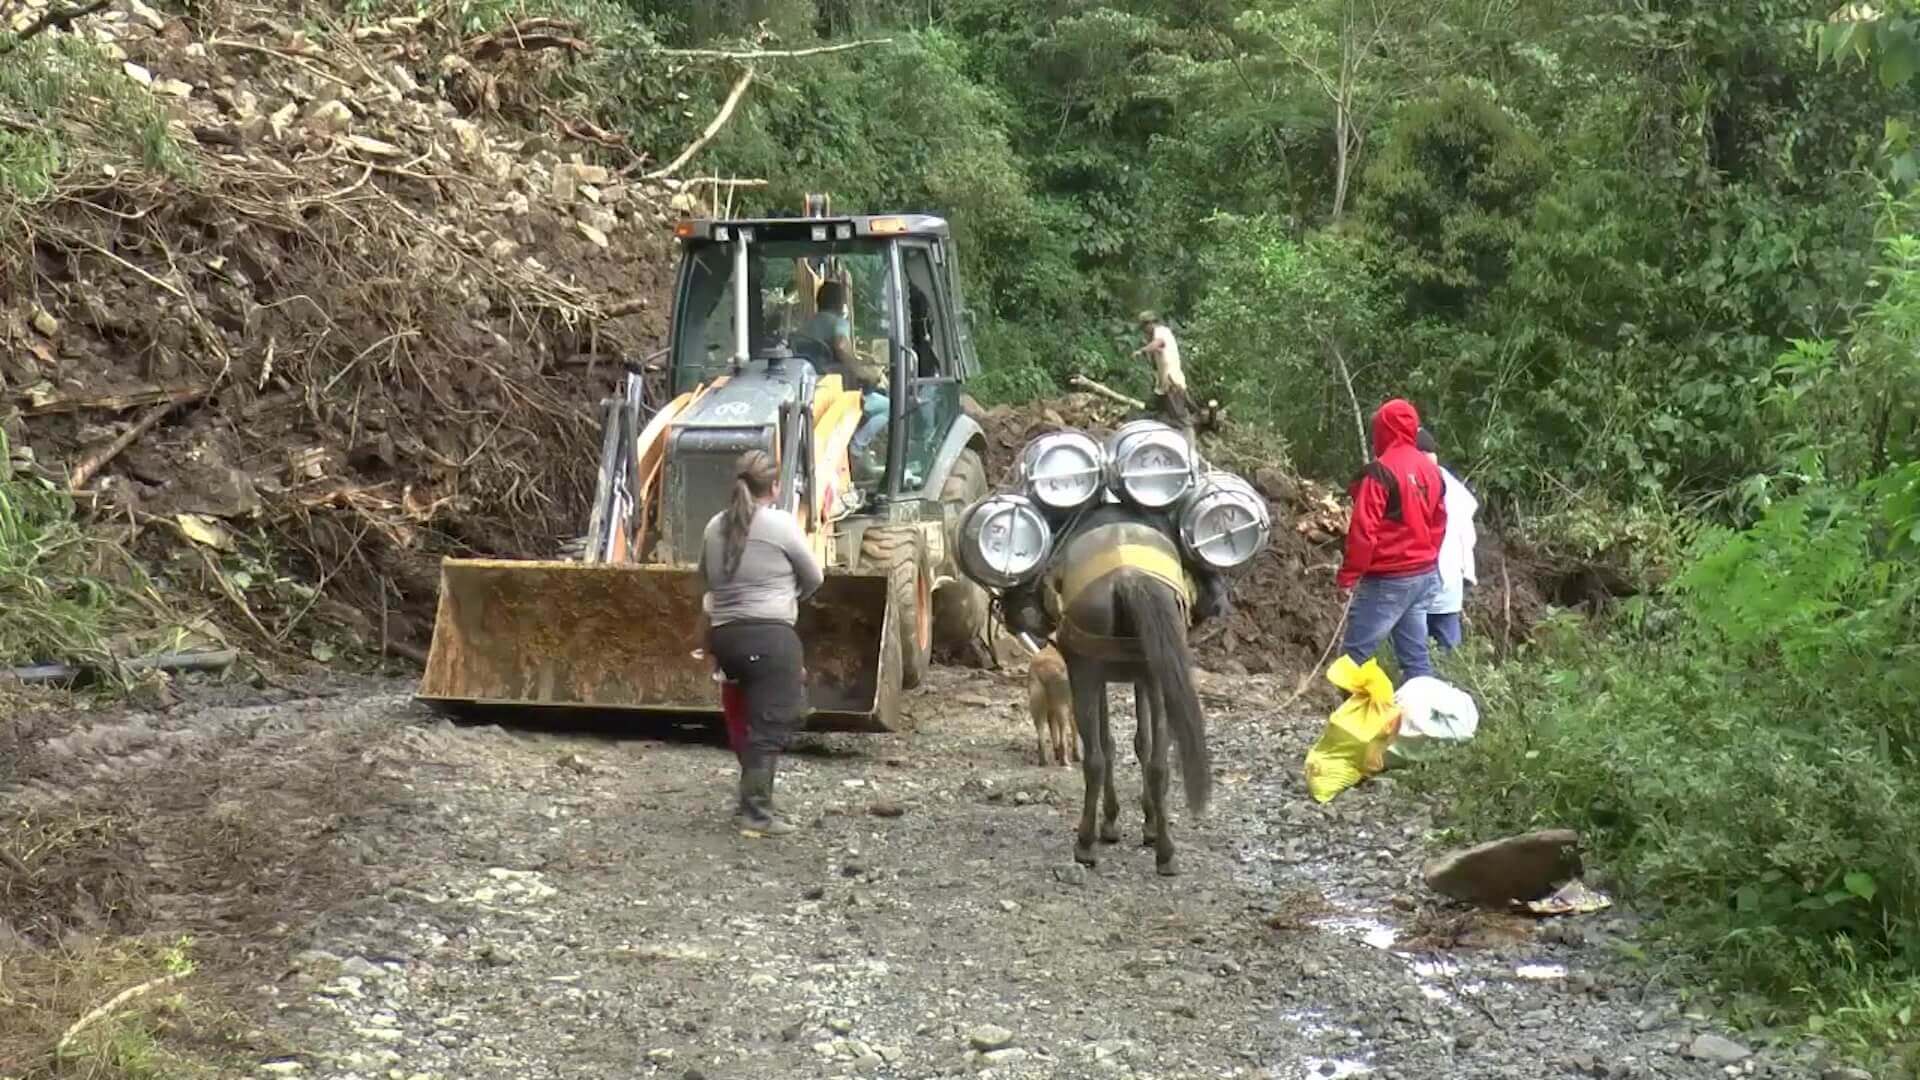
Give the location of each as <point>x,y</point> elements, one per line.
<point>1161,627</point>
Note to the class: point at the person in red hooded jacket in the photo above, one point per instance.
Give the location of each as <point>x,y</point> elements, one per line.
<point>1393,544</point>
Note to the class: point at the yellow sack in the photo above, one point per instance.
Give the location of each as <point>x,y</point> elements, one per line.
<point>1354,745</point>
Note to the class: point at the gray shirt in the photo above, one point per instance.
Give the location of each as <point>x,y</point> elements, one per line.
<point>777,570</point>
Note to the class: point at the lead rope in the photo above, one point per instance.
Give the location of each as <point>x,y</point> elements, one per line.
<point>1307,679</point>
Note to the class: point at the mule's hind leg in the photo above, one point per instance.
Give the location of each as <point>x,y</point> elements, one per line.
<point>1089,693</point>
<point>1156,785</point>
<point>1110,819</point>
<point>1143,753</point>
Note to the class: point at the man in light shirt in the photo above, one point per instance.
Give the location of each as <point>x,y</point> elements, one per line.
<point>1456,552</point>
<point>1170,402</point>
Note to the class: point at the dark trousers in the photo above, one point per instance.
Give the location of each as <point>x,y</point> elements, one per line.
<point>765,659</point>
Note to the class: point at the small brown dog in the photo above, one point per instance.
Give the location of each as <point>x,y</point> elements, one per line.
<point>1050,700</point>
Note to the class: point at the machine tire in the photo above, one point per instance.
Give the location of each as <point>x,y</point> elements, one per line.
<point>909,589</point>
<point>889,695</point>
<point>960,609</point>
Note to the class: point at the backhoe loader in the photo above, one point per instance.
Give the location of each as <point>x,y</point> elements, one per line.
<point>876,459</point>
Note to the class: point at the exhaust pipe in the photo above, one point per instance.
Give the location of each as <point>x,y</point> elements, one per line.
<point>740,298</point>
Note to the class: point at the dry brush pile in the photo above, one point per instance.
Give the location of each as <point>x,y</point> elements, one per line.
<point>350,287</point>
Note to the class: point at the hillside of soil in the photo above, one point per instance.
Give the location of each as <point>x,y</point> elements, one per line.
<point>367,314</point>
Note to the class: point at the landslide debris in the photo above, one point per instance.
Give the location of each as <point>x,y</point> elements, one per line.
<point>306,307</point>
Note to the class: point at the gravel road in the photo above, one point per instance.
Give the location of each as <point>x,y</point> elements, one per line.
<point>542,904</point>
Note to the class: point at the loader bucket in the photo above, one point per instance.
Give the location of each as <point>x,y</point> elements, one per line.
<point>521,637</point>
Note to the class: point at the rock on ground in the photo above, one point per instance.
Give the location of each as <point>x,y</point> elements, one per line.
<point>1524,867</point>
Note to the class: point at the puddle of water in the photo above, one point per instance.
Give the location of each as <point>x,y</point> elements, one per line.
<point>1311,1024</point>
<point>1542,971</point>
<point>1367,929</point>
<point>1334,1068</point>
<point>1439,968</point>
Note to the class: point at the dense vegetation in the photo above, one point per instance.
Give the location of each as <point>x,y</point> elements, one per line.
<point>1651,270</point>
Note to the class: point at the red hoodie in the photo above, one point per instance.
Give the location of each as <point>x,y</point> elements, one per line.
<point>1399,513</point>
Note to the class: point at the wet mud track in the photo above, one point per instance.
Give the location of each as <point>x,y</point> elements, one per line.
<point>567,905</point>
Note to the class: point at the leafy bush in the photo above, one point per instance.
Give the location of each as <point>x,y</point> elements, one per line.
<point>1741,751</point>
<point>1274,344</point>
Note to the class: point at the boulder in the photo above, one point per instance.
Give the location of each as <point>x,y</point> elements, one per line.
<point>1499,872</point>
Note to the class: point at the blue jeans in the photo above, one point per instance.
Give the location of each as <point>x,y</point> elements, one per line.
<point>1444,627</point>
<point>1393,607</point>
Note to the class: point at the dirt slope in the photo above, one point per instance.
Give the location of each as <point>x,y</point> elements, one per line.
<point>383,307</point>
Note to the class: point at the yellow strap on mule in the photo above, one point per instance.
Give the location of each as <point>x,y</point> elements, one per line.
<point>1152,561</point>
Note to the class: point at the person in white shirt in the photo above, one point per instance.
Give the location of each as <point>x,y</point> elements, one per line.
<point>1456,552</point>
<point>1170,401</point>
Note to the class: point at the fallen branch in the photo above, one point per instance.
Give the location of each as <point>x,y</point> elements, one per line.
<point>298,60</point>
<point>532,35</point>
<point>751,55</point>
<point>719,121</point>
<point>233,597</point>
<point>113,1003</point>
<point>623,308</point>
<point>1107,392</point>
<point>84,471</point>
<point>14,864</point>
<point>114,402</point>
<point>152,280</point>
<point>587,131</point>
<point>53,19</point>
<point>719,181</point>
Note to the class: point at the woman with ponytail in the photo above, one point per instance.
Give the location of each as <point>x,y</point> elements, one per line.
<point>756,567</point>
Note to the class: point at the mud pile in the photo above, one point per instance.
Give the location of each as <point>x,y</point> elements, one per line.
<point>367,315</point>
<point>1286,609</point>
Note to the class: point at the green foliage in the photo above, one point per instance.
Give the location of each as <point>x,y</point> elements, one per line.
<point>1448,199</point>
<point>102,116</point>
<point>1740,751</point>
<point>1274,344</point>
<point>63,593</point>
<point>1741,746</point>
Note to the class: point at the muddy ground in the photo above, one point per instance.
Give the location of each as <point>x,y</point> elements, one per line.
<point>433,900</point>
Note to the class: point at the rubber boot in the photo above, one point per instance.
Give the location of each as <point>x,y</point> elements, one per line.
<point>742,805</point>
<point>758,817</point>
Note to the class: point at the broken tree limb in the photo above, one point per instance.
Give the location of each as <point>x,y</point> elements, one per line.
<point>113,1003</point>
<point>621,309</point>
<point>88,466</point>
<point>115,402</point>
<point>750,55</point>
<point>719,121</point>
<point>14,864</point>
<point>530,35</point>
<point>1107,392</point>
<point>53,19</point>
<point>726,182</point>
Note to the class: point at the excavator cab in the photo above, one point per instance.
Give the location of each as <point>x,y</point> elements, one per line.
<point>876,458</point>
